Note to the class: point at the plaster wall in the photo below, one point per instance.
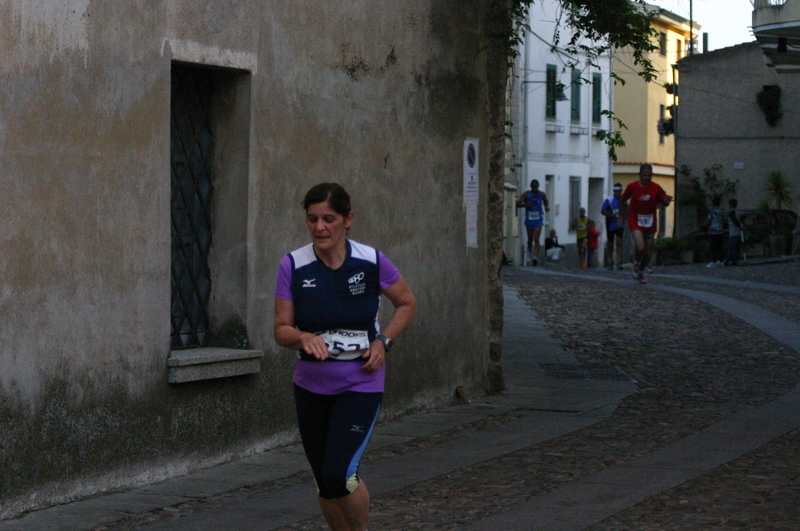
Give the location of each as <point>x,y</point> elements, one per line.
<point>637,103</point>
<point>720,123</point>
<point>378,96</point>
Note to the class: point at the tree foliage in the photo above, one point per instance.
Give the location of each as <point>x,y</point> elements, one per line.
<point>700,191</point>
<point>599,25</point>
<point>596,26</point>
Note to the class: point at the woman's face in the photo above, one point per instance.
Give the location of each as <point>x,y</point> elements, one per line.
<point>327,227</point>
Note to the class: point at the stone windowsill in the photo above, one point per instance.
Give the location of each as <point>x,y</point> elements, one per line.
<point>195,364</point>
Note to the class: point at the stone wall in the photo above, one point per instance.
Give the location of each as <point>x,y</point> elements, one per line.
<point>378,96</point>
<point>720,123</point>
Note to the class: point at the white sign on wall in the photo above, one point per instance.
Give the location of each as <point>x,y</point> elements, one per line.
<point>471,190</point>
<point>470,170</point>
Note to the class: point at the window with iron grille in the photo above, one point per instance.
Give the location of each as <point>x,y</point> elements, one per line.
<point>662,44</point>
<point>575,101</point>
<point>191,151</point>
<point>550,102</point>
<point>597,98</point>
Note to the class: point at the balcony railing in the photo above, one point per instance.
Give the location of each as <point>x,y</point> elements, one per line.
<point>760,4</point>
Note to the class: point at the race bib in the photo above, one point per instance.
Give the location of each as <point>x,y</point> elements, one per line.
<point>645,221</point>
<point>345,344</point>
<point>534,215</point>
<point>615,212</point>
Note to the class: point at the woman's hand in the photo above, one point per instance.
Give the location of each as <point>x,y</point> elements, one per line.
<point>288,336</point>
<point>314,345</point>
<point>375,356</point>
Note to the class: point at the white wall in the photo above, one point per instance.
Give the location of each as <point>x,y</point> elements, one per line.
<point>573,150</point>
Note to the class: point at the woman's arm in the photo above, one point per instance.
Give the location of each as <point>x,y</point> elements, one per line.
<point>287,335</point>
<point>405,306</point>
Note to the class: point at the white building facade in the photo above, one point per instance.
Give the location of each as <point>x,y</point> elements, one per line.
<point>558,99</point>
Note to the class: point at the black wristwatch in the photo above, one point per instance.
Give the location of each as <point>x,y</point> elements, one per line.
<point>387,342</point>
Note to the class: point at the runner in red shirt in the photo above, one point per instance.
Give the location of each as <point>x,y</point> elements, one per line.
<point>643,199</point>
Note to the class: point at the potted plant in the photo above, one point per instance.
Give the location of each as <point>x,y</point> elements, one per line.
<point>779,190</point>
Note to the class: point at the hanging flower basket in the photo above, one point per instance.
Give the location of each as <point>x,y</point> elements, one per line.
<point>666,126</point>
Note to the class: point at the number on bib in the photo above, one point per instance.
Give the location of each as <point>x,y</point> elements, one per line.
<point>646,221</point>
<point>346,344</point>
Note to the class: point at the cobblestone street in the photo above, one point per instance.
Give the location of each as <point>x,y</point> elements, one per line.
<point>695,364</point>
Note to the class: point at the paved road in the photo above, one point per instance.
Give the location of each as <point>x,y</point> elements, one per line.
<point>672,405</point>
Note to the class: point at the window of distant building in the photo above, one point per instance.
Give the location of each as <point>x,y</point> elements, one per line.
<point>550,103</point>
<point>662,114</point>
<point>680,48</point>
<point>662,44</point>
<point>597,98</point>
<point>575,101</point>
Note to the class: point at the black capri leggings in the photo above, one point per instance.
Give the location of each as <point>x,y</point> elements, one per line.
<point>335,430</point>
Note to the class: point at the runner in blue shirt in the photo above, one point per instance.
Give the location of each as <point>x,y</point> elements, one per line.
<point>535,203</point>
<point>615,226</point>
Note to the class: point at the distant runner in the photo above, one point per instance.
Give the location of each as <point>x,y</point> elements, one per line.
<point>535,203</point>
<point>615,226</point>
<point>643,199</point>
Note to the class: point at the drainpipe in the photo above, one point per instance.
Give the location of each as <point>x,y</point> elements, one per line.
<point>691,27</point>
<point>610,121</point>
<point>523,177</point>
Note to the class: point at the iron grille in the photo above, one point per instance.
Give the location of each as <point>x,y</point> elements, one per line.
<point>191,149</point>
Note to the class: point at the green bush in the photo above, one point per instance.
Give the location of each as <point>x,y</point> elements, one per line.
<point>671,250</point>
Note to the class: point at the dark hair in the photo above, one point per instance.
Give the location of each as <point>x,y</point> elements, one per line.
<point>646,166</point>
<point>716,200</point>
<point>332,193</point>
<point>535,181</point>
<point>733,203</point>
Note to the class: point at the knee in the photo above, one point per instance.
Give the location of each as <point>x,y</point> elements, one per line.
<point>337,483</point>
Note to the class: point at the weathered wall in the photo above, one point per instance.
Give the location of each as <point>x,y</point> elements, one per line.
<point>720,122</point>
<point>378,96</point>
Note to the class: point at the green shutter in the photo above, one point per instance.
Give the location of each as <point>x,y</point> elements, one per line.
<point>597,97</point>
<point>550,102</point>
<point>575,102</point>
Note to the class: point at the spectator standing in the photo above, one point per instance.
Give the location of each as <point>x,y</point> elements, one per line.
<point>592,242</point>
<point>716,242</point>
<point>581,225</point>
<point>552,250</point>
<point>734,233</point>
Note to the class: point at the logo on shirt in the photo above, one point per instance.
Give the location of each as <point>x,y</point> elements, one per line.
<point>356,286</point>
<point>309,282</point>
<point>644,197</point>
